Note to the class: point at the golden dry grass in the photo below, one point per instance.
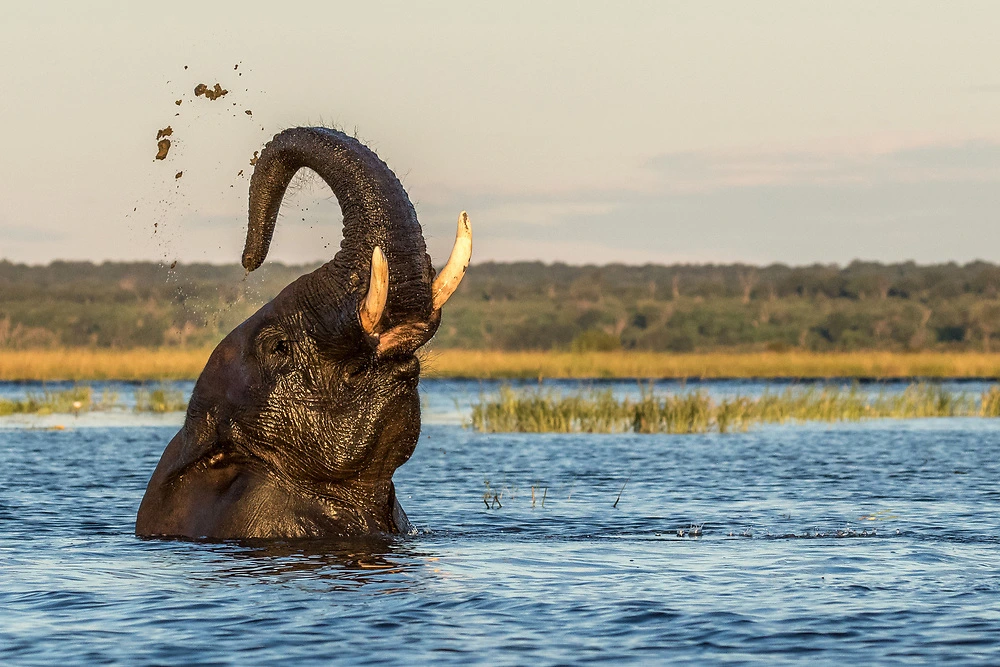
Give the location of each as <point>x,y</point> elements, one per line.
<point>90,364</point>
<point>174,364</point>
<point>479,364</point>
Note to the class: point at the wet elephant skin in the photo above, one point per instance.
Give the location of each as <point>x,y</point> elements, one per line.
<point>305,410</point>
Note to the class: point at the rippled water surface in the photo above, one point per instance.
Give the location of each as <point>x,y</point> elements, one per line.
<point>523,557</point>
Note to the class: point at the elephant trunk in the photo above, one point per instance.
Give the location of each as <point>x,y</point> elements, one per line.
<point>377,214</point>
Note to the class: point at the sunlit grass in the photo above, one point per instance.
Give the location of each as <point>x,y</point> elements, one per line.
<point>94,364</point>
<point>990,404</point>
<point>176,364</point>
<point>537,411</point>
<point>501,365</point>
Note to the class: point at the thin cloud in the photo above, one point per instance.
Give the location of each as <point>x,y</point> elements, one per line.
<point>706,171</point>
<point>929,203</point>
<point>29,234</point>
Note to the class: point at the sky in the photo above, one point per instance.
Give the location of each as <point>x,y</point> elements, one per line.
<point>572,131</point>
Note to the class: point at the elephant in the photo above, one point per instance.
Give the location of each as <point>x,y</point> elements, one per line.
<point>304,411</point>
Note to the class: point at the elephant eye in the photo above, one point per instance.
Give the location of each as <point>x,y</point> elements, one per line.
<point>354,372</point>
<point>283,347</point>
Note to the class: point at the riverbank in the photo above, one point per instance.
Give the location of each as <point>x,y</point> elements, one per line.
<point>80,364</point>
<point>715,365</point>
<point>186,364</point>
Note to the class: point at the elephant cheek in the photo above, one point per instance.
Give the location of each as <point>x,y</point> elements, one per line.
<point>198,505</point>
<point>226,377</point>
<point>399,438</point>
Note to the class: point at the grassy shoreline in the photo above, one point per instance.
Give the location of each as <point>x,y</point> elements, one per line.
<point>185,364</point>
<point>765,365</point>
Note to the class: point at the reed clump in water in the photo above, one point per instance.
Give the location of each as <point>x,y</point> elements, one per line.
<point>990,403</point>
<point>534,411</point>
<point>83,398</point>
<point>74,400</point>
<point>160,399</point>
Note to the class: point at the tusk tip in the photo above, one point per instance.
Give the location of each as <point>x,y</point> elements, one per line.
<point>380,266</point>
<point>373,306</point>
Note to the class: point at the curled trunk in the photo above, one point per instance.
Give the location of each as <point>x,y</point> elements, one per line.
<point>377,213</point>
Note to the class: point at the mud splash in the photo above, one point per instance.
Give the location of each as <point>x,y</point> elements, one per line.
<point>210,93</point>
<point>162,148</point>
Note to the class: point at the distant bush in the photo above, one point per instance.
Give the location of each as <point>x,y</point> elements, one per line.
<point>595,340</point>
<point>533,306</point>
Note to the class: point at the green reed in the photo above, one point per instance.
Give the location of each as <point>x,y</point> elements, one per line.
<point>74,400</point>
<point>160,399</point>
<point>596,411</point>
<point>990,403</point>
<point>83,398</point>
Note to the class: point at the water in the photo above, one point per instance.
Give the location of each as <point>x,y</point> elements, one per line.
<point>512,581</point>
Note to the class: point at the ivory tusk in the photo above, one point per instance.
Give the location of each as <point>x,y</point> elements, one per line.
<point>451,275</point>
<point>378,291</point>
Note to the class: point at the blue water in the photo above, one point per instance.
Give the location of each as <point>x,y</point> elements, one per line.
<point>915,576</point>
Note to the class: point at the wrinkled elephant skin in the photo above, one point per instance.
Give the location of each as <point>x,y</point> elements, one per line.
<point>305,410</point>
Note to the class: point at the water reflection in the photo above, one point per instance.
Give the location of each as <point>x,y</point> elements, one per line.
<point>577,578</point>
<point>341,563</point>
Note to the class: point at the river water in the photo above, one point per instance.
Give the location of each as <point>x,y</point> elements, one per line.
<point>873,542</point>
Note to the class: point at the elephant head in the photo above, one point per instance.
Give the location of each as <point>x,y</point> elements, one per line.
<point>305,410</point>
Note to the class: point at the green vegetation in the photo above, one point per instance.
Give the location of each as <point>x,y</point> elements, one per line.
<point>863,306</point>
<point>80,399</point>
<point>76,400</point>
<point>128,305</point>
<point>533,306</point>
<point>534,411</point>
<point>161,399</point>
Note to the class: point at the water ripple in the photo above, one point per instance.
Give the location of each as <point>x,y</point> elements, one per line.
<point>721,548</point>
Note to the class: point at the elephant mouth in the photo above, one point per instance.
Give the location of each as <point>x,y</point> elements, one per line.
<point>408,371</point>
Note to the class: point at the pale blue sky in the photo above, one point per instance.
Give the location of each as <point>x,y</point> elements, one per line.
<point>571,131</point>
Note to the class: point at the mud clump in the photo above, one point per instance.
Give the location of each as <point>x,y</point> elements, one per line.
<point>253,160</point>
<point>178,174</point>
<point>210,93</point>
<point>165,132</point>
<point>163,147</point>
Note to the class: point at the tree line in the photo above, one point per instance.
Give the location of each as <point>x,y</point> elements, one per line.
<point>536,306</point>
